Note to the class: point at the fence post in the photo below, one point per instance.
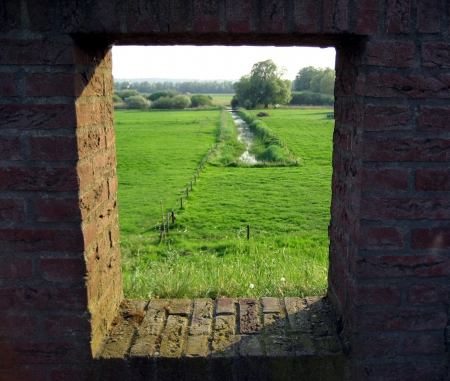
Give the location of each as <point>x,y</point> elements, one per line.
<point>187,191</point>
<point>181,202</point>
<point>248,231</point>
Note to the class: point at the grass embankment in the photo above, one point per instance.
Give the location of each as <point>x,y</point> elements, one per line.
<point>207,253</point>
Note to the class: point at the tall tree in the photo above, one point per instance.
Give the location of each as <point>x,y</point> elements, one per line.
<point>304,76</point>
<point>263,85</point>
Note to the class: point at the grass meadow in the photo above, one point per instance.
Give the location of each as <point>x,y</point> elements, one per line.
<point>207,253</point>
<point>221,99</point>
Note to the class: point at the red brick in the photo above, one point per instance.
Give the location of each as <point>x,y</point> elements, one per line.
<point>105,17</point>
<point>401,320</point>
<point>67,326</point>
<point>387,118</point>
<point>335,16</point>
<point>349,113</point>
<point>12,210</point>
<point>23,375</point>
<point>381,238</point>
<point>50,148</point>
<point>85,174</point>
<point>104,162</point>
<point>390,54</point>
<point>405,86</point>
<point>433,180</point>
<point>432,208</point>
<point>437,238</point>
<point>94,113</point>
<point>378,295</point>
<point>434,119</point>
<point>93,85</point>
<point>381,345</point>
<point>50,85</point>
<point>174,16</point>
<point>342,138</point>
<point>31,298</point>
<point>398,16</point>
<point>36,179</point>
<point>429,16</point>
<point>272,16</point>
<point>389,148</point>
<point>340,190</point>
<point>8,85</point>
<point>112,187</point>
<point>429,294</point>
<point>424,345</point>
<point>141,16</point>
<point>42,117</point>
<point>15,267</point>
<point>73,375</point>
<point>384,179</point>
<point>110,137</point>
<point>367,17</point>
<point>207,16</point>
<point>238,18</point>
<point>306,16</point>
<point>398,266</point>
<point>336,160</point>
<point>57,210</point>
<point>10,149</point>
<point>63,269</point>
<point>40,240</point>
<point>17,326</point>
<point>10,16</point>
<point>436,54</point>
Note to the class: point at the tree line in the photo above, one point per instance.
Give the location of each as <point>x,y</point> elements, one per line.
<point>194,87</point>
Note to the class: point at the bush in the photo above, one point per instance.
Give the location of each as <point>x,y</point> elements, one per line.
<point>162,103</point>
<point>117,99</point>
<point>311,99</point>
<point>124,94</point>
<point>137,102</point>
<point>180,102</point>
<point>159,94</point>
<point>200,100</point>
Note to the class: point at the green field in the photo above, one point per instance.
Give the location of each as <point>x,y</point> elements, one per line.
<point>207,254</point>
<point>221,99</point>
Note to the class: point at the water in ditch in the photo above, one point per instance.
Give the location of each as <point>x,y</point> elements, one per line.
<point>245,136</point>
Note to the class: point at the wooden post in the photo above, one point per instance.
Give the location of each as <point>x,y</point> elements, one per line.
<point>187,191</point>
<point>167,218</point>
<point>163,227</point>
<point>181,202</point>
<point>191,184</point>
<point>248,231</point>
<point>173,217</point>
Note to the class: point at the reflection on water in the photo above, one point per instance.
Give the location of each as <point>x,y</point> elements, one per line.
<point>246,136</point>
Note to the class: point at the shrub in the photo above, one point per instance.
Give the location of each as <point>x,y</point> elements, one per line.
<point>180,102</point>
<point>137,102</point>
<point>117,99</point>
<point>311,99</point>
<point>162,103</point>
<point>200,100</point>
<point>124,94</point>
<point>159,94</point>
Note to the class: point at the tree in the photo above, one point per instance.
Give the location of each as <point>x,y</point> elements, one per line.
<point>180,101</point>
<point>303,79</point>
<point>263,86</point>
<point>137,102</point>
<point>200,100</point>
<point>327,82</point>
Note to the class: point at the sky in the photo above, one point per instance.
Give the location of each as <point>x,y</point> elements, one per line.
<point>212,62</point>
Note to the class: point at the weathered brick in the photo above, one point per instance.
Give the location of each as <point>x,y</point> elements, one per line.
<point>399,266</point>
<point>16,268</point>
<point>433,208</point>
<point>17,326</point>
<point>429,294</point>
<point>67,326</point>
<point>181,307</point>
<point>10,16</point>
<point>335,16</point>
<point>387,118</point>
<point>12,210</point>
<point>436,54</point>
<point>424,345</point>
<point>38,178</point>
<point>384,179</point>
<point>57,210</point>
<point>42,116</point>
<point>238,16</point>
<point>398,16</point>
<point>63,269</point>
<point>404,86</point>
<point>381,345</point>
<point>390,54</point>
<point>91,200</point>
<point>384,238</point>
<point>367,17</point>
<point>434,119</point>
<point>429,16</point>
<point>90,143</point>
<point>174,16</point>
<point>73,375</point>
<point>24,374</point>
<point>388,148</point>
<point>53,148</point>
<point>272,16</point>
<point>433,180</point>
<point>375,294</point>
<point>47,85</point>
<point>8,85</point>
<point>225,306</point>
<point>207,16</point>
<point>270,305</point>
<point>10,149</point>
<point>40,240</point>
<point>104,162</point>
<point>306,16</point>
<point>401,320</point>
<point>141,16</point>
<point>434,238</point>
<point>248,314</point>
<point>201,317</point>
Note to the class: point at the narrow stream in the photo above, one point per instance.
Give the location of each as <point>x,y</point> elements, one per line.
<point>246,136</point>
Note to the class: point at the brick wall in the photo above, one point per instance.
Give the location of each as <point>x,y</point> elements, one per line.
<point>389,273</point>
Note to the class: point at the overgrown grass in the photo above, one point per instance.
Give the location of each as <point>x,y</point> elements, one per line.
<point>206,253</point>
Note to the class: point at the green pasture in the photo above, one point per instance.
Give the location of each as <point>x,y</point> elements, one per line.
<point>207,253</point>
<point>221,99</point>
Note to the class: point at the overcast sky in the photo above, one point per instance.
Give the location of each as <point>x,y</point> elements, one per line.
<point>212,62</point>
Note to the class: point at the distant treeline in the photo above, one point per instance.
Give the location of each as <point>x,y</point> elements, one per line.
<point>310,98</point>
<point>194,87</point>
